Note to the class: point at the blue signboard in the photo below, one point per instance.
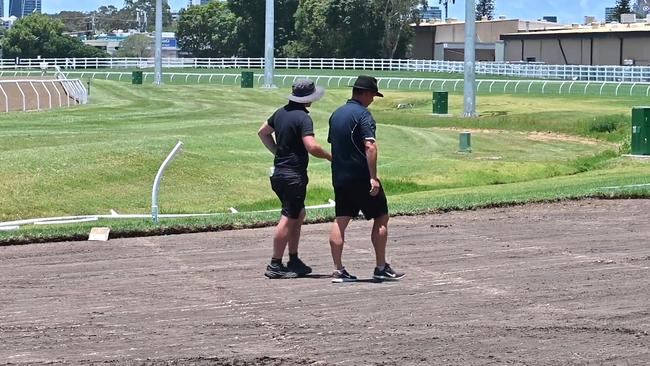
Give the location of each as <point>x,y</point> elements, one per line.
<point>169,43</point>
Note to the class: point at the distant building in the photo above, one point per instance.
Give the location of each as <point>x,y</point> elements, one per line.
<point>2,9</point>
<point>611,44</point>
<point>197,2</point>
<point>446,40</point>
<point>23,8</point>
<point>609,15</point>
<point>111,42</point>
<point>7,22</point>
<point>589,19</point>
<point>432,12</point>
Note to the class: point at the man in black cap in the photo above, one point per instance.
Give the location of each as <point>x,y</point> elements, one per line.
<point>354,176</point>
<point>294,139</point>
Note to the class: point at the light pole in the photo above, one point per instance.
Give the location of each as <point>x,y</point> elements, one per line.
<point>269,46</point>
<point>157,80</point>
<point>470,59</point>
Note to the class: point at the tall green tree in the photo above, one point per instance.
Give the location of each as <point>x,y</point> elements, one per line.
<point>208,31</point>
<point>445,4</point>
<point>38,35</point>
<point>251,16</point>
<point>396,16</point>
<point>485,8</point>
<point>621,7</point>
<point>336,28</point>
<point>136,45</point>
<point>131,8</point>
<point>74,21</point>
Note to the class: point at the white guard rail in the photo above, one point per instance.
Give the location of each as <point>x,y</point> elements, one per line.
<point>33,94</point>
<point>507,86</point>
<point>516,69</point>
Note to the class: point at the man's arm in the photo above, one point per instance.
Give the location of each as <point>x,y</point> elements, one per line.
<point>266,135</point>
<point>315,149</point>
<point>371,157</point>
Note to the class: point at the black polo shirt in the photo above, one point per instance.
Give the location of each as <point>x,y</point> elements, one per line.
<point>291,123</point>
<point>350,126</point>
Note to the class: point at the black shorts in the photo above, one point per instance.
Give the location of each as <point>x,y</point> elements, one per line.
<point>291,191</point>
<point>351,199</point>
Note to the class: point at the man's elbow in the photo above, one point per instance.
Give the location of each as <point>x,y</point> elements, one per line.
<point>262,134</point>
<point>312,149</point>
<point>371,148</point>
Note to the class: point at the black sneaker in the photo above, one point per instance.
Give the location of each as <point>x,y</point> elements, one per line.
<point>278,270</point>
<point>387,274</point>
<point>343,276</point>
<point>299,267</point>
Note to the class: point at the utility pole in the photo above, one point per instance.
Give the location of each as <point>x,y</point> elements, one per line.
<point>269,45</point>
<point>470,59</point>
<point>157,80</point>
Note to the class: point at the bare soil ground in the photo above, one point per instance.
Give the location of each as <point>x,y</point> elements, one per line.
<point>37,96</point>
<point>544,284</point>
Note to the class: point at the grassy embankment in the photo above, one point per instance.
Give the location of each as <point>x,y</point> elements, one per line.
<point>103,156</point>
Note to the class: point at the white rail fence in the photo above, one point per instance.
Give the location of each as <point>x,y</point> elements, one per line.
<point>32,94</point>
<point>558,87</point>
<point>521,70</point>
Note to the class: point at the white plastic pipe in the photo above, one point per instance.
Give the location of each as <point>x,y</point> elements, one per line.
<point>14,225</point>
<point>156,182</point>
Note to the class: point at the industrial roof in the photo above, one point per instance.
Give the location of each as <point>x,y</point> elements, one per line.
<point>585,30</point>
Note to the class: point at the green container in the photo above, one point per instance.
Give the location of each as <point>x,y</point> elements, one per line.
<point>440,102</point>
<point>247,79</point>
<point>641,131</point>
<point>136,78</point>
<point>465,142</point>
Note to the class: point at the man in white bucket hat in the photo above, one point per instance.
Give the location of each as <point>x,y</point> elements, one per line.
<point>293,142</point>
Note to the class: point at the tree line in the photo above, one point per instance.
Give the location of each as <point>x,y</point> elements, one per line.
<point>313,28</point>
<point>136,14</point>
<point>303,28</point>
<point>39,35</point>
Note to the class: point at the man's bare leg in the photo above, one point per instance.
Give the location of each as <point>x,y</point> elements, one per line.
<point>281,237</point>
<point>379,238</point>
<point>337,238</point>
<point>294,232</point>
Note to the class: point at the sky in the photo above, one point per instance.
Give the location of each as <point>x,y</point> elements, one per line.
<point>567,11</point>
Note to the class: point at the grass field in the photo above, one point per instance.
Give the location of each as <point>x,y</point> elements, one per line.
<point>105,155</point>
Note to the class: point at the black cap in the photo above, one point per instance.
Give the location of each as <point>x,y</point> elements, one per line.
<point>367,83</point>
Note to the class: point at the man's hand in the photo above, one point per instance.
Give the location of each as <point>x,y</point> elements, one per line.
<point>375,185</point>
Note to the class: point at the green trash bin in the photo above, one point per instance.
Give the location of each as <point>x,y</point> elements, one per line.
<point>136,78</point>
<point>465,142</point>
<point>247,79</point>
<point>440,102</point>
<point>641,131</point>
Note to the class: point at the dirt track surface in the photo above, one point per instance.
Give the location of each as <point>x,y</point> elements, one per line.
<point>37,96</point>
<point>549,284</point>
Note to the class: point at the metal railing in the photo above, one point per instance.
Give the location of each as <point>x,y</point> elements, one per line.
<point>521,70</point>
<point>32,94</point>
<point>558,87</point>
